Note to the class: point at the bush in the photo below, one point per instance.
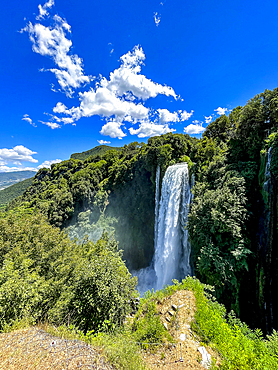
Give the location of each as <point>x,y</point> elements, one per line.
<point>45,275</point>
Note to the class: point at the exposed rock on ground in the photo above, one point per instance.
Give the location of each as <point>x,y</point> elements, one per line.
<point>177,312</point>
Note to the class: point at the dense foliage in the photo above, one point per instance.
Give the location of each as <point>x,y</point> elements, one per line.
<point>98,151</point>
<point>46,276</point>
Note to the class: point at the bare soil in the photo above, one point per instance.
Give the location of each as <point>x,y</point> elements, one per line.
<point>184,353</point>
<point>34,349</point>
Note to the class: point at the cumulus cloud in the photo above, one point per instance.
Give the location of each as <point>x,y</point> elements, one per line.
<point>18,154</point>
<point>184,115</point>
<point>165,116</point>
<point>47,164</point>
<point>194,128</point>
<point>43,9</point>
<point>148,129</point>
<point>208,119</point>
<point>104,102</point>
<point>59,108</point>
<point>121,99</point>
<point>157,18</point>
<point>221,111</point>
<point>52,125</point>
<point>52,41</point>
<point>128,78</point>
<point>28,119</point>
<point>113,129</point>
<point>103,142</point>
<point>4,168</point>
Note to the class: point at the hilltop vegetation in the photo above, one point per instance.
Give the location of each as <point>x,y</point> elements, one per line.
<point>96,151</point>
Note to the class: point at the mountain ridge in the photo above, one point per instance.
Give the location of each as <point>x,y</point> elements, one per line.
<point>97,150</point>
<point>9,178</point>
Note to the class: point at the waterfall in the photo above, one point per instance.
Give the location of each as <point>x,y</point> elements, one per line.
<point>267,174</point>
<point>268,242</point>
<point>172,249</point>
<point>157,178</point>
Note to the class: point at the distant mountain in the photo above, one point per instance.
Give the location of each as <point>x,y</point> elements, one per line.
<point>14,191</point>
<point>98,150</point>
<point>11,178</point>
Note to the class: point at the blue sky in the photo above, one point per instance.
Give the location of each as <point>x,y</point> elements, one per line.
<point>75,74</point>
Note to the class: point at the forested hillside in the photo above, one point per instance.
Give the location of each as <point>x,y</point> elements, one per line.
<point>97,151</point>
<point>233,218</point>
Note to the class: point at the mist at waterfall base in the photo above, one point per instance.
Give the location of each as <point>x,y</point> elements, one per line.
<point>171,246</point>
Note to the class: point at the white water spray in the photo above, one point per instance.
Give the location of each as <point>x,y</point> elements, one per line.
<point>172,249</point>
<point>157,196</point>
<point>267,174</point>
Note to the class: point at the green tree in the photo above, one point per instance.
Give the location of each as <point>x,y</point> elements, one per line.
<point>219,130</point>
<point>43,274</point>
<point>216,229</point>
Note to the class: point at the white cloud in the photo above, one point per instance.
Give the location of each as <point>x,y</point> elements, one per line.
<point>113,129</point>
<point>208,119</point>
<point>185,115</point>
<point>52,125</point>
<point>148,129</point>
<point>165,116</point>
<point>18,154</point>
<point>111,48</point>
<point>28,119</point>
<point>43,9</point>
<point>104,102</point>
<point>59,108</point>
<point>119,98</point>
<point>221,111</point>
<point>194,128</point>
<point>127,78</point>
<point>52,42</point>
<point>4,168</point>
<point>103,142</point>
<point>157,18</point>
<point>47,164</point>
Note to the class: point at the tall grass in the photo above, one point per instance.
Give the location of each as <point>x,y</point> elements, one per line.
<point>241,347</point>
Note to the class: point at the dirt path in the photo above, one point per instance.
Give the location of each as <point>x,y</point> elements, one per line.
<point>34,349</point>
<point>177,312</point>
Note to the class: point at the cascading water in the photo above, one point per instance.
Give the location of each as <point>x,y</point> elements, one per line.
<point>172,248</point>
<point>267,174</point>
<point>267,242</point>
<point>157,195</point>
